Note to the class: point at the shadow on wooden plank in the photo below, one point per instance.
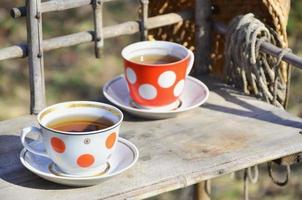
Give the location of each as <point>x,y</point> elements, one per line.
<point>251,111</point>
<point>12,171</point>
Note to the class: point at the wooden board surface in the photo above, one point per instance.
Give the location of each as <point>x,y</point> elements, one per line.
<point>228,133</point>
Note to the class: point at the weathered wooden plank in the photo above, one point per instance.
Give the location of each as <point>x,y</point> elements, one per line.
<point>58,5</point>
<point>126,28</point>
<point>35,56</point>
<point>168,19</point>
<point>17,51</point>
<point>230,132</point>
<point>53,5</point>
<point>98,27</point>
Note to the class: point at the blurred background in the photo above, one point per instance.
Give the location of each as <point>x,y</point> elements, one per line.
<point>74,74</point>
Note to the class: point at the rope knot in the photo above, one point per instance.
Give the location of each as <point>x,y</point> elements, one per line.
<point>246,67</point>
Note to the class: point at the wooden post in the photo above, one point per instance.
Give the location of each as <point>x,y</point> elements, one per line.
<point>202,36</point>
<point>201,65</point>
<point>144,18</point>
<point>98,26</point>
<point>35,56</point>
<point>203,190</point>
<point>202,62</point>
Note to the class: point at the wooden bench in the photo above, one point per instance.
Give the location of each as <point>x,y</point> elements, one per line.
<point>229,133</point>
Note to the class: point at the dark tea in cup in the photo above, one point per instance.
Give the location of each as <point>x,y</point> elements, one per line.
<point>155,59</point>
<point>80,123</point>
<point>155,72</point>
<point>78,136</point>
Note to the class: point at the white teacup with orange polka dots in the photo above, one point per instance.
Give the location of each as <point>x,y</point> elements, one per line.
<point>77,153</point>
<point>156,85</point>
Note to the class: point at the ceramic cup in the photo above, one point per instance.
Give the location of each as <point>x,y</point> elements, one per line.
<point>77,153</point>
<point>157,86</point>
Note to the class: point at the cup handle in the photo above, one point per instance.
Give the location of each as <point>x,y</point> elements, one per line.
<point>191,62</point>
<point>35,130</point>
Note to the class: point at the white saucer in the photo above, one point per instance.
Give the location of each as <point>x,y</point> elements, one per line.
<point>124,157</point>
<point>195,94</point>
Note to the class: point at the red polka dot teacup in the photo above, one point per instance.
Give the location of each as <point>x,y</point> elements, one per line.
<point>156,86</point>
<point>80,153</point>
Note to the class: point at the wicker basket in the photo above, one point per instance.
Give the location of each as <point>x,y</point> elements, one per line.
<point>274,13</point>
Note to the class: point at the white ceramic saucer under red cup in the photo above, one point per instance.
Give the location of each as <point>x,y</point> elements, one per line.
<point>157,86</point>
<point>195,93</point>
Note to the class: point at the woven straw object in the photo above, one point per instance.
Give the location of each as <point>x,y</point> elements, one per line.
<point>274,13</point>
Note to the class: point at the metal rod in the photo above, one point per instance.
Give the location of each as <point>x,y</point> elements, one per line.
<point>35,56</point>
<point>126,28</point>
<point>267,47</point>
<point>53,5</point>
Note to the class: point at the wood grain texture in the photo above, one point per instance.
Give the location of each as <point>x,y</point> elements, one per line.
<point>230,132</point>
<point>98,26</point>
<point>16,51</point>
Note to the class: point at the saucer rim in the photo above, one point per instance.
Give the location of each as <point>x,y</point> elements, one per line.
<point>42,174</point>
<point>178,110</point>
<point>54,169</point>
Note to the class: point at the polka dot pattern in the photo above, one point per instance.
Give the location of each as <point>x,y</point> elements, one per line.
<point>167,79</point>
<point>85,160</point>
<point>131,76</point>
<point>178,88</point>
<point>57,144</point>
<point>147,91</point>
<point>156,85</point>
<point>110,141</point>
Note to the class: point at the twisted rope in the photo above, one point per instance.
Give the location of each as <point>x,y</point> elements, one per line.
<point>248,176</point>
<point>246,67</point>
